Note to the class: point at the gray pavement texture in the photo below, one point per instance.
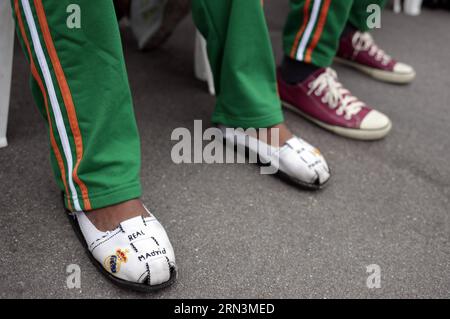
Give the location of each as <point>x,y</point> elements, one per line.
<point>237,233</point>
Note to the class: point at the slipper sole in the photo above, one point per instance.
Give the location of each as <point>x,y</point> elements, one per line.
<point>282,175</point>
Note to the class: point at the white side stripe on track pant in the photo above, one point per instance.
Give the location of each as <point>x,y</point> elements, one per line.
<point>309,29</point>
<point>53,99</point>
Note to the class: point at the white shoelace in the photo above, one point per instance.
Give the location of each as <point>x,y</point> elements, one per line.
<point>363,41</point>
<point>336,96</point>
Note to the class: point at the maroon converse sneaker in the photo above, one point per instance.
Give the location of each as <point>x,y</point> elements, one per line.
<point>323,100</point>
<point>359,50</point>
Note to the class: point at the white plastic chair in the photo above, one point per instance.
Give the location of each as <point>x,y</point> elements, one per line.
<point>201,63</point>
<point>6,59</point>
<point>410,7</point>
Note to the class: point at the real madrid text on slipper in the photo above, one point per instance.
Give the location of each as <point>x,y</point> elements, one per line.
<point>136,255</point>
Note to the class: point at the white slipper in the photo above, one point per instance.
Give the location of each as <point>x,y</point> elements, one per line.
<point>137,255</point>
<point>297,161</point>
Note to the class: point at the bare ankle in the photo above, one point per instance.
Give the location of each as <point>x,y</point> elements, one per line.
<point>109,218</point>
<point>284,134</point>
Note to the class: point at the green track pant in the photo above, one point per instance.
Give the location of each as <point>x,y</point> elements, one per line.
<point>80,84</point>
<point>313,27</point>
<point>242,61</point>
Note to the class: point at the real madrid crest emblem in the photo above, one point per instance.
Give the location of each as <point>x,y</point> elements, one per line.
<point>112,263</point>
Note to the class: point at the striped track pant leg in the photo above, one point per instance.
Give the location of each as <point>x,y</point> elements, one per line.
<point>313,27</point>
<point>80,85</point>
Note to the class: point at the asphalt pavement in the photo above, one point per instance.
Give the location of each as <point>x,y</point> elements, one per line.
<point>236,233</point>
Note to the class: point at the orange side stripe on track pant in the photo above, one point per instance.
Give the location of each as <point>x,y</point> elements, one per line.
<point>319,30</point>
<point>67,97</point>
<point>302,28</point>
<point>36,76</point>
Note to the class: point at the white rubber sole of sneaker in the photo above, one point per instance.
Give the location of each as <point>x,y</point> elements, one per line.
<point>357,134</point>
<point>385,76</point>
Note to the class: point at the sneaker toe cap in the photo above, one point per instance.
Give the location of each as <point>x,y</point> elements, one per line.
<point>403,68</point>
<point>375,120</point>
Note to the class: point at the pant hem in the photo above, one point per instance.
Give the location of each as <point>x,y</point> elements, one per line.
<point>113,197</point>
<point>318,59</point>
<point>246,122</point>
